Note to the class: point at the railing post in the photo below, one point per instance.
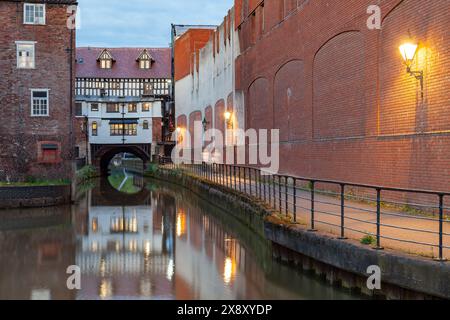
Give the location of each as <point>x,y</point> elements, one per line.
<point>274,193</point>
<point>264,184</point>
<point>250,181</point>
<point>286,189</point>
<point>245,180</point>
<point>295,199</point>
<point>441,229</point>
<point>280,200</point>
<point>342,237</point>
<point>378,246</point>
<point>313,193</point>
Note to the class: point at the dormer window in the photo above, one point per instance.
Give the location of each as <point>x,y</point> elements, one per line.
<point>145,60</point>
<point>106,60</point>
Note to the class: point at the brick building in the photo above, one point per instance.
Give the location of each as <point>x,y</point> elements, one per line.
<point>204,84</point>
<point>36,89</point>
<point>339,92</point>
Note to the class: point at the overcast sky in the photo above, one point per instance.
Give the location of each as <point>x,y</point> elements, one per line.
<point>142,23</point>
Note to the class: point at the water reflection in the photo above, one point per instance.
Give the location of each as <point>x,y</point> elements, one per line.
<point>161,243</point>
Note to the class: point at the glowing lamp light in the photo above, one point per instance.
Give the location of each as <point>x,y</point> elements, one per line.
<point>178,129</point>
<point>227,115</point>
<point>408,51</point>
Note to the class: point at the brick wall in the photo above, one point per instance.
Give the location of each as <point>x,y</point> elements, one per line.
<point>340,94</point>
<point>19,132</point>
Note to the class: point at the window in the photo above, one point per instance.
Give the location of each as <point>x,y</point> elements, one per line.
<point>48,152</point>
<point>148,89</point>
<point>146,107</point>
<point>94,107</point>
<point>105,64</point>
<point>78,109</point>
<point>112,108</point>
<point>39,103</point>
<point>25,54</point>
<point>33,13</point>
<point>105,59</point>
<point>145,125</point>
<point>144,64</point>
<point>119,129</point>
<point>132,107</point>
<point>94,128</point>
<point>145,60</point>
<point>77,152</point>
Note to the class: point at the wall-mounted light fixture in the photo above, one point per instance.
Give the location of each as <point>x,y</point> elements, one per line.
<point>205,124</point>
<point>229,119</point>
<point>409,52</point>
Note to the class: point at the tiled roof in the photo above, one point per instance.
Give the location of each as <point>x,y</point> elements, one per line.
<point>45,1</point>
<point>125,65</point>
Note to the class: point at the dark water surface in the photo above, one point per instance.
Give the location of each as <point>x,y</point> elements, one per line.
<point>159,243</point>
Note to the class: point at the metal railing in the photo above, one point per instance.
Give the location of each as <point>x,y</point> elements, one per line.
<point>297,196</point>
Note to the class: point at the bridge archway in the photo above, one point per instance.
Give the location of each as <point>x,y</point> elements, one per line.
<point>103,154</point>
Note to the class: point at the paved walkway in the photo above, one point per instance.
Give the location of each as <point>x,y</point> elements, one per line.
<point>417,234</point>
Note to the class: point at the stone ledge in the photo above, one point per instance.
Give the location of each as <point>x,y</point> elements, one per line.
<point>34,196</point>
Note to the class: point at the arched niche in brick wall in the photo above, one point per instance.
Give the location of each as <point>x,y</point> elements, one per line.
<point>196,131</point>
<point>259,114</point>
<point>339,107</point>
<point>219,116</point>
<point>288,101</point>
<point>402,109</point>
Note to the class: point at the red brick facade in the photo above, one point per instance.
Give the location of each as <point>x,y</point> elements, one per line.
<point>21,135</point>
<point>339,92</point>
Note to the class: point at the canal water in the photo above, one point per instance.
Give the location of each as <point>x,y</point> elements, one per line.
<point>151,240</point>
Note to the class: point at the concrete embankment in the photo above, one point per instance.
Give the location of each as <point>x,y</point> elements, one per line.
<point>341,262</point>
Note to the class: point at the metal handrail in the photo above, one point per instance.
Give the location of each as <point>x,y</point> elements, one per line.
<point>280,192</point>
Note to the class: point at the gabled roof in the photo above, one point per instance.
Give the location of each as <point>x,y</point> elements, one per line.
<point>145,53</point>
<point>125,65</point>
<point>107,53</point>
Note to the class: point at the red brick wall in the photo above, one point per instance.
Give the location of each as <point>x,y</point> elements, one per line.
<point>186,47</point>
<point>340,94</point>
<point>19,132</point>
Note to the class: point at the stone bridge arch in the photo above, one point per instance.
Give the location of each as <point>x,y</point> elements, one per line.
<point>103,154</point>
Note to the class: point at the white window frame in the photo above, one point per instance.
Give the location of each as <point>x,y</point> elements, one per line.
<point>34,6</point>
<point>27,43</point>
<point>32,102</point>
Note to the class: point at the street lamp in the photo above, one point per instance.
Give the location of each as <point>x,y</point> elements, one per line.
<point>228,117</point>
<point>205,124</point>
<point>409,52</point>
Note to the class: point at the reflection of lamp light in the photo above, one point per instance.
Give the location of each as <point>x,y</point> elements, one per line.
<point>228,271</point>
<point>409,52</point>
<point>181,224</point>
<point>106,289</point>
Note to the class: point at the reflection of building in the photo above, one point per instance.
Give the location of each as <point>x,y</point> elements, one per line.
<point>126,252</point>
<point>36,248</point>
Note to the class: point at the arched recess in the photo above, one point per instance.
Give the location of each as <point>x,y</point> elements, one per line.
<point>219,117</point>
<point>339,108</point>
<point>196,134</point>
<point>288,101</point>
<point>259,114</point>
<point>402,110</point>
